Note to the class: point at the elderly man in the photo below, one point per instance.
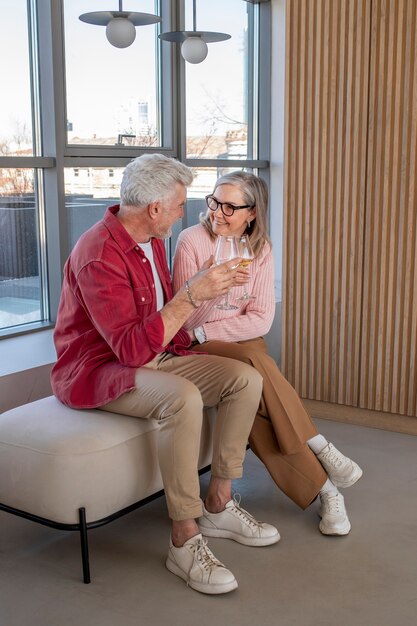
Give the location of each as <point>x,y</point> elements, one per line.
<point>121,347</point>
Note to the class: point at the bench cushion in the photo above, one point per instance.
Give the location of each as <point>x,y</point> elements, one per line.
<point>54,460</point>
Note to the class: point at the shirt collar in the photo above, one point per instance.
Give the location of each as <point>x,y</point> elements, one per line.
<point>117,230</point>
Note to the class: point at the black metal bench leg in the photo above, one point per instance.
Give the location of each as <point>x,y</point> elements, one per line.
<point>84,545</point>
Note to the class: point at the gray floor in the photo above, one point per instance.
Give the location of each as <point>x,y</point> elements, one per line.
<point>368,578</point>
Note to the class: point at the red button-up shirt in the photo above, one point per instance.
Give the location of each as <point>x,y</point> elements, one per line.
<point>107,323</point>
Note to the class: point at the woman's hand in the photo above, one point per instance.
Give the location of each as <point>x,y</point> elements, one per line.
<point>242,275</point>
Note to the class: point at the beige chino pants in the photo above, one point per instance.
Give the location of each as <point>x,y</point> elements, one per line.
<point>173,390</point>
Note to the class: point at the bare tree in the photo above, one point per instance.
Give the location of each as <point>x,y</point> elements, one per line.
<point>21,136</point>
<point>212,116</point>
<point>16,181</point>
<point>4,147</point>
<point>214,110</point>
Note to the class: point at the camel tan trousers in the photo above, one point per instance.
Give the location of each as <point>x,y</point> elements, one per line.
<point>173,390</point>
<point>281,427</point>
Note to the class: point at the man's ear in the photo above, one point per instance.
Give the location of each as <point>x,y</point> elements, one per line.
<point>153,210</point>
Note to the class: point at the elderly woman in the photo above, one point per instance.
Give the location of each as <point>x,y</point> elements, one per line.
<point>301,461</point>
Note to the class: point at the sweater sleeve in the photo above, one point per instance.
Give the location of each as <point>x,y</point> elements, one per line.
<point>253,318</point>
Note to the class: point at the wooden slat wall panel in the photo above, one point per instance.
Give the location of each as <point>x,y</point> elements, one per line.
<point>327,78</point>
<point>389,338</point>
<point>350,248</point>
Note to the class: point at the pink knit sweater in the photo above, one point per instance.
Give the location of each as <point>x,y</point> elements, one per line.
<point>253,318</point>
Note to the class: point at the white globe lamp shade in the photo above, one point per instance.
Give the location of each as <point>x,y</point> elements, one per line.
<point>194,50</point>
<point>120,32</point>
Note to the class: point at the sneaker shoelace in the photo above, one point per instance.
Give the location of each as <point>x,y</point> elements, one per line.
<point>246,517</point>
<point>333,457</point>
<point>204,556</point>
<point>332,503</point>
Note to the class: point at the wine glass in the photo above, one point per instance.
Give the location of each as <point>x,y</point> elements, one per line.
<point>246,254</point>
<point>225,250</point>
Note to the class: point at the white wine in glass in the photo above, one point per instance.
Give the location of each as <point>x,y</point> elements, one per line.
<point>246,254</point>
<point>226,249</point>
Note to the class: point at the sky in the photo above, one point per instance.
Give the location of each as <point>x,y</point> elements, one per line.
<point>128,74</point>
<point>15,106</point>
<point>101,78</point>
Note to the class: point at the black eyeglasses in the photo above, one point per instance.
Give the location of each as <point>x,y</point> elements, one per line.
<point>226,208</point>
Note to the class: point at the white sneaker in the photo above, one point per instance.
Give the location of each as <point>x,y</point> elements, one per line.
<point>334,519</point>
<point>195,563</point>
<point>237,524</point>
<point>342,471</point>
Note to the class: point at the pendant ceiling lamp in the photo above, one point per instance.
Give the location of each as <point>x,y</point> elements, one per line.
<point>120,25</point>
<point>193,42</point>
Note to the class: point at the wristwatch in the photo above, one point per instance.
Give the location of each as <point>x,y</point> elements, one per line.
<point>200,335</point>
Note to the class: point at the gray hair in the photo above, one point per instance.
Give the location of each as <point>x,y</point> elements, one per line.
<point>152,177</point>
<point>255,194</point>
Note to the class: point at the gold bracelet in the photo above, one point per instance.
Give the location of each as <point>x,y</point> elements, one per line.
<point>187,289</point>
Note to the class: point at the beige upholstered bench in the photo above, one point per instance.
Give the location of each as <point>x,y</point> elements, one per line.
<point>80,469</point>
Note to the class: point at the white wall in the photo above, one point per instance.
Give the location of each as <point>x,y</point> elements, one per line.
<point>25,365</point>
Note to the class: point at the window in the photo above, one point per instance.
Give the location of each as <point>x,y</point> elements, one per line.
<point>75,110</point>
<point>224,122</point>
<point>20,280</point>
<point>16,131</point>
<point>87,197</point>
<point>218,98</point>
<point>112,95</point>
<point>22,276</point>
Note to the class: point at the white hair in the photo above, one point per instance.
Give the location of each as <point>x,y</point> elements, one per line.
<point>152,177</point>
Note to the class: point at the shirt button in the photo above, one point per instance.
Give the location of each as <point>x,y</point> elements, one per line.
<point>136,247</point>
<point>144,260</point>
<point>143,299</point>
<point>153,286</point>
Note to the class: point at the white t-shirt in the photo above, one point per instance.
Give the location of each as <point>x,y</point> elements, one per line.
<point>147,249</point>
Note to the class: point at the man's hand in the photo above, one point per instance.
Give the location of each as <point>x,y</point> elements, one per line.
<point>213,281</point>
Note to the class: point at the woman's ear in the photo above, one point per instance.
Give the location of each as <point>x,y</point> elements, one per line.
<point>252,215</point>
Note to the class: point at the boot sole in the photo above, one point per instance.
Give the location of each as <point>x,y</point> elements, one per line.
<point>208,588</point>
